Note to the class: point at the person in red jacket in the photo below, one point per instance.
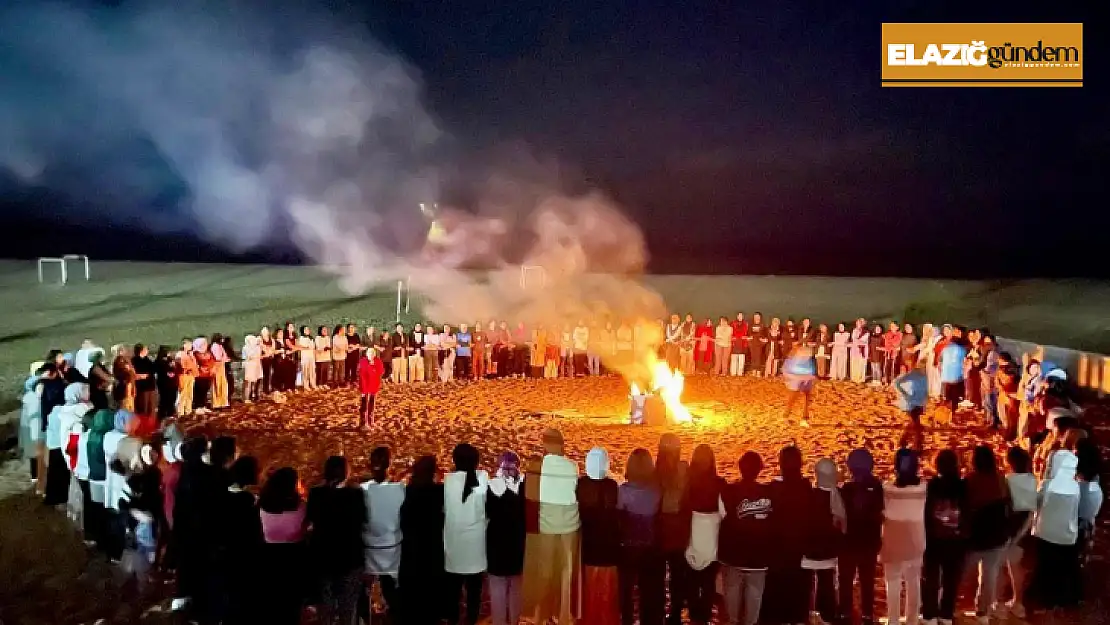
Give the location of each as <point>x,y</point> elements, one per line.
<point>740,341</point>
<point>370,372</point>
<point>703,346</point>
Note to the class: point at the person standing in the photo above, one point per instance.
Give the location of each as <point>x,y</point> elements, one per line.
<point>686,345</point>
<point>539,352</point>
<point>382,532</point>
<point>892,348</point>
<point>306,347</point>
<point>336,514</point>
<point>464,530</point>
<point>704,337</point>
<point>145,380</point>
<point>399,355</point>
<point>447,345</point>
<point>746,541</point>
<point>825,539</point>
<point>422,578</point>
<point>1057,578</point>
<point>988,508</point>
<point>703,499</point>
<point>674,522</point>
<point>791,500</point>
<point>505,536</point>
<point>799,373</point>
<point>822,341</point>
<point>945,539</point>
<point>740,345</point>
<point>339,356</point>
<point>354,352</point>
<point>416,354</point>
<point>597,506</point>
<point>952,372</point>
<point>722,347</point>
<point>186,367</point>
<point>166,382</point>
<point>904,539</point>
<point>758,345</point>
<point>478,360</point>
<point>432,344</point>
<point>673,337</point>
<point>221,368</point>
<point>863,503</point>
<point>463,346</point>
<point>581,343</point>
<point>641,568</point>
<point>252,368</point>
<point>370,371</point>
<point>858,354</point>
<point>322,347</point>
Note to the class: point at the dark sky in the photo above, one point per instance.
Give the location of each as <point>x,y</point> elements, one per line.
<point>750,136</point>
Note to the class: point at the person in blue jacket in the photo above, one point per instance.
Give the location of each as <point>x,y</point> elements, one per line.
<point>912,390</point>
<point>800,371</point>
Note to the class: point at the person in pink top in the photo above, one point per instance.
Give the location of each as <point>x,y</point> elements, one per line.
<point>284,554</point>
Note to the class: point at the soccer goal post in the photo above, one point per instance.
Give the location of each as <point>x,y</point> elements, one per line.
<point>532,277</point>
<point>404,297</point>
<point>63,264</point>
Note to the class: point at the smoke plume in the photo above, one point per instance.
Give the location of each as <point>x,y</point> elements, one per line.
<point>286,124</point>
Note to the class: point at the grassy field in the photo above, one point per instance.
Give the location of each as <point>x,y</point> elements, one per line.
<point>160,303</point>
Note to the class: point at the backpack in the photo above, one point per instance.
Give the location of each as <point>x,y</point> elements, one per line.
<point>945,519</point>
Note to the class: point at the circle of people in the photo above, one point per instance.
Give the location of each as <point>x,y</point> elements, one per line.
<point>540,537</point>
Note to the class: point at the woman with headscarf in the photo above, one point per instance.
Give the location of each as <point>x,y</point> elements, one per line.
<point>292,358</point>
<point>703,346</point>
<point>306,349</point>
<point>267,347</point>
<point>926,352</point>
<point>505,540</point>
<point>91,469</point>
<point>221,372</point>
<point>121,456</point>
<point>791,500</point>
<point>205,373</point>
<point>824,539</point>
<point>840,341</point>
<point>61,422</point>
<point>641,569</point>
<point>123,371</point>
<point>165,382</point>
<point>370,371</point>
<point>30,424</point>
<point>1057,580</point>
<point>988,507</point>
<point>382,533</point>
<point>904,502</point>
<point>858,356</point>
<point>774,348</point>
<point>597,508</point>
<point>283,554</point>
<point>464,529</point>
<point>145,381</point>
<point>703,499</point>
<point>674,521</point>
<point>422,576</point>
<point>551,580</point>
<point>863,507</point>
<point>945,538</point>
<point>252,368</point>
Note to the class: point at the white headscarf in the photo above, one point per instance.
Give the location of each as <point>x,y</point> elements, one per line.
<point>597,463</point>
<point>84,359</point>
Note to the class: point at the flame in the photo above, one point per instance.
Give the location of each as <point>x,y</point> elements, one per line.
<point>667,384</point>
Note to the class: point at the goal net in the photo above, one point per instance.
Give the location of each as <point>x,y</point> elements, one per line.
<point>62,262</point>
<point>532,277</point>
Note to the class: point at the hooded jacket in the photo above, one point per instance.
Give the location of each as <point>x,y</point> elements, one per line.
<point>597,510</point>
<point>1058,516</point>
<point>30,418</point>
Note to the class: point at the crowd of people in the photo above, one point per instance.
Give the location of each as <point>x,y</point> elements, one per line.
<point>537,535</point>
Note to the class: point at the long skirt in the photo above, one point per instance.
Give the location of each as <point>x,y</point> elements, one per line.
<point>552,583</point>
<point>601,604</point>
<point>57,479</point>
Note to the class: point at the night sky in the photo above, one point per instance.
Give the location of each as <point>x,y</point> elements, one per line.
<point>744,137</point>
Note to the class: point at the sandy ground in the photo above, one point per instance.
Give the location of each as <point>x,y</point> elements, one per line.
<point>44,582</point>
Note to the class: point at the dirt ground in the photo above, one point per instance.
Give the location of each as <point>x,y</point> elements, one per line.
<point>45,576</point>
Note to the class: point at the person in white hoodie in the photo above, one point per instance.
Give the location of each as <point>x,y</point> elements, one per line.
<point>1056,578</point>
<point>1022,485</point>
<point>903,537</point>
<point>464,528</point>
<point>60,423</point>
<point>30,422</point>
<point>381,534</point>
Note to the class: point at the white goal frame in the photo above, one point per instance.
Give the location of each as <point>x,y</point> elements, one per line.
<point>63,262</point>
<point>527,273</point>
<point>404,291</point>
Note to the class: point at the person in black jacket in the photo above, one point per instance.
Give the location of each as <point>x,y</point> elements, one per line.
<point>824,539</point>
<point>239,543</point>
<point>422,577</point>
<point>988,512</point>
<point>945,539</point>
<point>792,498</point>
<point>505,536</point>
<point>165,377</point>
<point>863,506</point>
<point>336,513</point>
<point>746,541</point>
<point>597,508</point>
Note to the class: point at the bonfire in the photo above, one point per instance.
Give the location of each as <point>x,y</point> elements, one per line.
<point>663,393</point>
